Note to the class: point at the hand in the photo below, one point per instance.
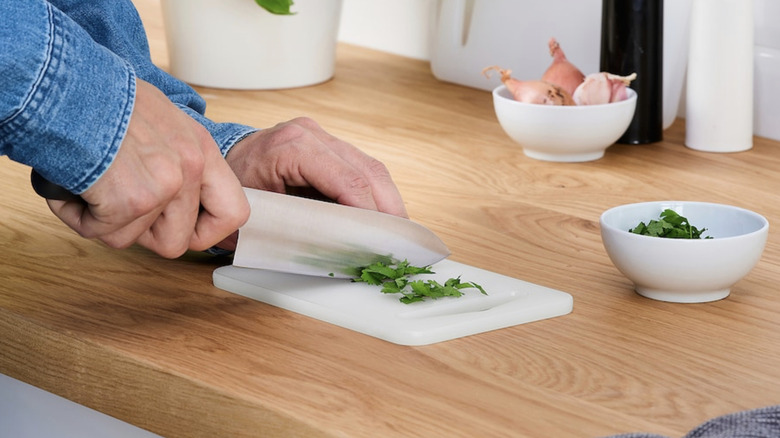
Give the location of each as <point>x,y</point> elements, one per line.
<point>300,157</point>
<point>299,154</point>
<point>167,168</point>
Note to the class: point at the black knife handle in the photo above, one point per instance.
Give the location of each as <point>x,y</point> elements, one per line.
<point>49,190</point>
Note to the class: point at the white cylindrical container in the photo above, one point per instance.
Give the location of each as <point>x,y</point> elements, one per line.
<point>719,96</point>
<point>237,44</point>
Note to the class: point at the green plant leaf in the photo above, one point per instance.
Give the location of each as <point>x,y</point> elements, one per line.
<point>371,278</point>
<point>396,279</point>
<point>669,225</point>
<point>278,7</point>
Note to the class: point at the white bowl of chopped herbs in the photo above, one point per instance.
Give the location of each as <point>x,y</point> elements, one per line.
<point>683,251</point>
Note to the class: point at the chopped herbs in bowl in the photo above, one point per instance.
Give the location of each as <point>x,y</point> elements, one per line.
<point>670,225</point>
<point>689,263</point>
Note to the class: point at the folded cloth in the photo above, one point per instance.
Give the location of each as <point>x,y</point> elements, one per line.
<point>756,423</point>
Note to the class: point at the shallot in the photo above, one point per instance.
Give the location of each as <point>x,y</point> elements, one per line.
<point>538,92</point>
<point>562,72</point>
<point>600,88</point>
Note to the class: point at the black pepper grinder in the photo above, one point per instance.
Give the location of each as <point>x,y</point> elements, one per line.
<point>632,42</point>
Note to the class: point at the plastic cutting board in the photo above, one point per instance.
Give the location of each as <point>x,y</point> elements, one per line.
<point>363,308</point>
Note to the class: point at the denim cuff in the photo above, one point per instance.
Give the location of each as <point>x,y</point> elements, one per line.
<point>226,135</point>
<point>79,83</point>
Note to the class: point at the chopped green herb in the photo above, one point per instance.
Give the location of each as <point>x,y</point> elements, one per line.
<point>395,279</point>
<point>670,225</point>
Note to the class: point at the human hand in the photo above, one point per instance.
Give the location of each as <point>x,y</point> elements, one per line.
<point>168,189</point>
<point>299,154</point>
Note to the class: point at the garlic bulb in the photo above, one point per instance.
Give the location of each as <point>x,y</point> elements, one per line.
<point>600,88</point>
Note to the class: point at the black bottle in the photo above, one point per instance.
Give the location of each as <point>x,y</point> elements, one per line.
<point>632,42</point>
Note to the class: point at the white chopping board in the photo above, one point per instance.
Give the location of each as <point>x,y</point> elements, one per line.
<point>363,308</point>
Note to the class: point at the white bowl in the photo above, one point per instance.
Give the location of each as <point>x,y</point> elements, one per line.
<point>685,270</point>
<point>563,133</point>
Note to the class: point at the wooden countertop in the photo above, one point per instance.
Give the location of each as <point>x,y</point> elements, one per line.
<point>154,343</point>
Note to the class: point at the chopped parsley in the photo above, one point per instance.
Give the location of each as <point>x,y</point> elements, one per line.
<point>395,279</point>
<point>670,225</point>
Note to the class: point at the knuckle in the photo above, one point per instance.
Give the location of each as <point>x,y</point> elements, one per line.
<point>241,215</point>
<point>289,133</point>
<point>171,251</point>
<point>165,176</point>
<point>377,169</point>
<point>192,163</point>
<point>192,160</point>
<point>360,185</point>
<point>143,202</point>
<point>232,219</point>
<point>305,122</point>
<point>84,230</point>
<point>116,242</point>
<point>190,151</point>
<point>167,246</point>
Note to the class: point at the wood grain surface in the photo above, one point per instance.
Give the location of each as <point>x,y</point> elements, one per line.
<point>154,343</point>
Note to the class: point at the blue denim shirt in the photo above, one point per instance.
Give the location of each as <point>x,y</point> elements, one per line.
<point>67,86</point>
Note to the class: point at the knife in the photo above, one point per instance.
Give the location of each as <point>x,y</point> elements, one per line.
<point>313,237</point>
<point>49,190</point>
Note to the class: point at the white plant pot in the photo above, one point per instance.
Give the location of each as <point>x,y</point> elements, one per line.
<point>237,44</point>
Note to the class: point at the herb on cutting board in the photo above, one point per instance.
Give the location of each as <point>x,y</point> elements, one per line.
<point>670,225</point>
<point>395,279</point>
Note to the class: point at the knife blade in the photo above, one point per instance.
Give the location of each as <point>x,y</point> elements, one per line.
<point>312,237</point>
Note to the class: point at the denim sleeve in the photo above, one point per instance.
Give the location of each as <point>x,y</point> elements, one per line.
<point>116,25</point>
<point>65,101</point>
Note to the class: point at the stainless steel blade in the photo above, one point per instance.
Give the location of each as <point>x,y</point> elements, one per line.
<point>305,236</point>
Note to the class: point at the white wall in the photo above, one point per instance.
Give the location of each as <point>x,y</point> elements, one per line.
<point>402,27</point>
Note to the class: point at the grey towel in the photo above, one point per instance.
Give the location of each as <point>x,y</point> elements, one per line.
<point>756,423</point>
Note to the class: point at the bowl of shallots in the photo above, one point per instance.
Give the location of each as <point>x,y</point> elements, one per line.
<point>565,116</point>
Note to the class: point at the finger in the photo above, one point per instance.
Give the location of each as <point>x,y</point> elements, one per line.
<point>332,176</point>
<point>160,217</point>
<point>384,191</point>
<point>80,217</point>
<point>385,195</point>
<point>171,232</point>
<point>230,243</point>
<point>224,205</point>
